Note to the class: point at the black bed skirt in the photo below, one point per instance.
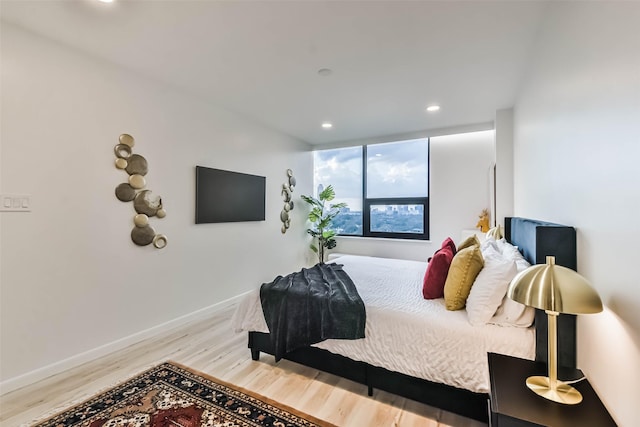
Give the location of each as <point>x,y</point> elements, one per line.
<point>452,399</point>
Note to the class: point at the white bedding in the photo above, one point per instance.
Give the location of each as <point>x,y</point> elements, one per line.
<point>406,333</point>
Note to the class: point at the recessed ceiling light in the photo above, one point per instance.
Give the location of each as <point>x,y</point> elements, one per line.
<point>327,125</point>
<point>105,1</point>
<point>433,108</point>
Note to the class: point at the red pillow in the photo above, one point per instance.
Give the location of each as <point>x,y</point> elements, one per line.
<point>448,242</point>
<point>436,274</point>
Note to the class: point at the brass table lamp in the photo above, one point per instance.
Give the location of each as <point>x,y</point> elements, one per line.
<point>554,289</point>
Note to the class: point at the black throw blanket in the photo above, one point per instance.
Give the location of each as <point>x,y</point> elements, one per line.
<point>312,305</point>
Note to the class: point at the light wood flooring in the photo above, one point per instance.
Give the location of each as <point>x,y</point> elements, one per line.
<point>211,346</point>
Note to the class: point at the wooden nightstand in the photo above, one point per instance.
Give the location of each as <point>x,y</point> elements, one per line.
<point>512,404</point>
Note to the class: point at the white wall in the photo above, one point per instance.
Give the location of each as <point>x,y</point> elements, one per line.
<point>71,278</point>
<point>459,181</point>
<point>504,164</point>
<point>577,144</point>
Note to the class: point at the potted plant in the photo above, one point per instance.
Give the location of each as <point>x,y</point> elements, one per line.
<point>321,218</point>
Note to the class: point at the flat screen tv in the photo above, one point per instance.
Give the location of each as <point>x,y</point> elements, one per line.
<point>225,196</point>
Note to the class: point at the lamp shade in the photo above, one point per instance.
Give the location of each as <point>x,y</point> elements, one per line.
<point>554,288</point>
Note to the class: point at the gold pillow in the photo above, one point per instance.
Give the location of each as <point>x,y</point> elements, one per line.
<point>464,268</point>
<point>469,241</point>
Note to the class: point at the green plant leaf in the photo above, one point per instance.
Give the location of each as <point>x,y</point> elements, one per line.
<point>331,214</point>
<point>325,222</point>
<point>327,194</point>
<point>315,215</point>
<point>322,217</point>
<point>311,200</point>
<point>328,234</point>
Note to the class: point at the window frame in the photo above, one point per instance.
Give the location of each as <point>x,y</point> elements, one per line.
<point>368,201</point>
<point>366,218</point>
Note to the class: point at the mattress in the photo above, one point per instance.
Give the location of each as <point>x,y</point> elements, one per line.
<point>406,333</point>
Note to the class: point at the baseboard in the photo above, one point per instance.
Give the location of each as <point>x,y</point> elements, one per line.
<point>55,368</point>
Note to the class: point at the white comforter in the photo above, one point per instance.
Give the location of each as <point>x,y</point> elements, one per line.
<point>408,334</point>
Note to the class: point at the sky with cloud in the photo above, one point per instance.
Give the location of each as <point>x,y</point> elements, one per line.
<point>397,169</point>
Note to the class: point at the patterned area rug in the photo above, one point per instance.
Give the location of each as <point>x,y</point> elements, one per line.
<point>172,395</point>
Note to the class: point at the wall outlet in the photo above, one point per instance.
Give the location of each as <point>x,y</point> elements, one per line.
<point>15,203</point>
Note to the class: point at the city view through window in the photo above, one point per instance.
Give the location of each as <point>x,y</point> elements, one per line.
<point>384,218</point>
<point>396,170</point>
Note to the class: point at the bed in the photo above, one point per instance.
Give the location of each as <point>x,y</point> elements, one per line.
<point>452,374</point>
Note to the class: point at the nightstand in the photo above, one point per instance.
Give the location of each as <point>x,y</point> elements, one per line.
<point>512,404</point>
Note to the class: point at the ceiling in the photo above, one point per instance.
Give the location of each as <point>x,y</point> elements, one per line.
<point>389,59</point>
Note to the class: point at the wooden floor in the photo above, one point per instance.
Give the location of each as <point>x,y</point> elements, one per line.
<point>211,346</point>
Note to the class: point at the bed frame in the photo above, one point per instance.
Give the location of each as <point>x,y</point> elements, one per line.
<point>536,240</point>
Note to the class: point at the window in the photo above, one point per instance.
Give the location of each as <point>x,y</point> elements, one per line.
<point>342,168</point>
<point>386,188</point>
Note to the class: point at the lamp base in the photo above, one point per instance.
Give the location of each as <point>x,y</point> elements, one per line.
<point>562,393</point>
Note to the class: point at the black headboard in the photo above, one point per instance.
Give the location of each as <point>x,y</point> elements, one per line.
<point>536,240</point>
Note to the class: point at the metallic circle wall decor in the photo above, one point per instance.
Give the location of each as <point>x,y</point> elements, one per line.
<point>122,151</point>
<point>126,139</point>
<point>141,220</point>
<point>137,181</point>
<point>160,241</point>
<point>143,236</point>
<point>121,163</point>
<point>125,192</point>
<point>144,202</point>
<point>286,195</point>
<point>137,165</point>
<point>287,189</point>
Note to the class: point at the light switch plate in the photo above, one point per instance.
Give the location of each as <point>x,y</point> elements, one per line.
<point>15,203</point>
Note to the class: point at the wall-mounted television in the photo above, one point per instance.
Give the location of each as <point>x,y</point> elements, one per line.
<point>225,196</point>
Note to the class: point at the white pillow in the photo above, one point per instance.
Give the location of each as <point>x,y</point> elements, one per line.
<point>510,312</point>
<point>490,287</point>
<point>490,244</point>
<point>512,253</point>
<point>496,244</point>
